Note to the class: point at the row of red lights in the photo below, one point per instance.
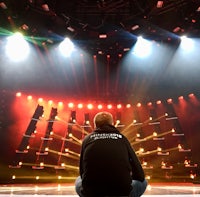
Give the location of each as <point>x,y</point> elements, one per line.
<point>99,106</point>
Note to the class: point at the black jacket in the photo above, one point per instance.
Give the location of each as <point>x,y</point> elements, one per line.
<point>108,163</point>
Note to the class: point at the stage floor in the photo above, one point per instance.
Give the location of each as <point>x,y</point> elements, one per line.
<point>66,189</point>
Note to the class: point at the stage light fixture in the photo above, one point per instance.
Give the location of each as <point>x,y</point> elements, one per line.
<point>133,28</point>
<point>169,100</point>
<point>119,106</point>
<point>160,4</point>
<point>45,7</point>
<point>102,36</point>
<point>80,105</point>
<point>128,106</point>
<point>90,106</point>
<point>18,94</point>
<point>3,5</point>
<point>109,106</point>
<point>17,48</point>
<point>66,47</point>
<point>99,106</point>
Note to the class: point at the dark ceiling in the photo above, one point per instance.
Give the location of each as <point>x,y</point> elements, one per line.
<point>177,16</point>
<point>85,20</point>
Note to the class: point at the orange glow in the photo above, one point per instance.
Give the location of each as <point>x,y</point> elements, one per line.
<point>139,105</point>
<point>18,94</point>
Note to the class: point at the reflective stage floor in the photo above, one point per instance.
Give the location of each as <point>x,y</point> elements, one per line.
<point>66,189</point>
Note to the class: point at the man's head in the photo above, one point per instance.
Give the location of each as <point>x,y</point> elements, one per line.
<point>103,118</point>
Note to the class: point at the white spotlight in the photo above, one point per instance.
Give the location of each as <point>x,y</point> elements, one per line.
<point>142,47</point>
<point>17,48</point>
<point>187,43</point>
<point>66,47</point>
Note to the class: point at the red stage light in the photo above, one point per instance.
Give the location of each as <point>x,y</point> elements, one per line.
<point>109,106</point>
<point>169,100</point>
<point>99,106</point>
<point>119,106</point>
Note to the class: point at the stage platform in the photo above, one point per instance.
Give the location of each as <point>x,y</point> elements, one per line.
<point>67,190</point>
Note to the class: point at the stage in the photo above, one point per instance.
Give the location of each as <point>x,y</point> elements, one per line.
<point>66,189</point>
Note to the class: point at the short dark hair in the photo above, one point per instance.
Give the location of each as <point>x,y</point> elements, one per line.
<point>103,118</point>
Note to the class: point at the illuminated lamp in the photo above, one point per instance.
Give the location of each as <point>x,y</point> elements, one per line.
<point>159,4</point>
<point>18,94</point>
<point>109,106</point>
<point>176,29</point>
<point>40,100</point>
<point>102,36</point>
<point>169,100</point>
<point>80,105</point>
<point>66,47</point>
<point>50,102</point>
<point>3,5</point>
<point>90,106</point>
<point>45,7</point>
<point>17,48</point>
<point>126,49</point>
<point>149,103</point>
<point>128,105</point>
<point>119,106</point>
<point>37,177</point>
<point>158,102</point>
<point>133,28</point>
<point>139,105</point>
<point>191,95</point>
<point>108,56</point>
<point>70,105</point>
<point>60,103</point>
<point>99,106</point>
<point>71,29</point>
<point>29,97</point>
<point>180,97</point>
